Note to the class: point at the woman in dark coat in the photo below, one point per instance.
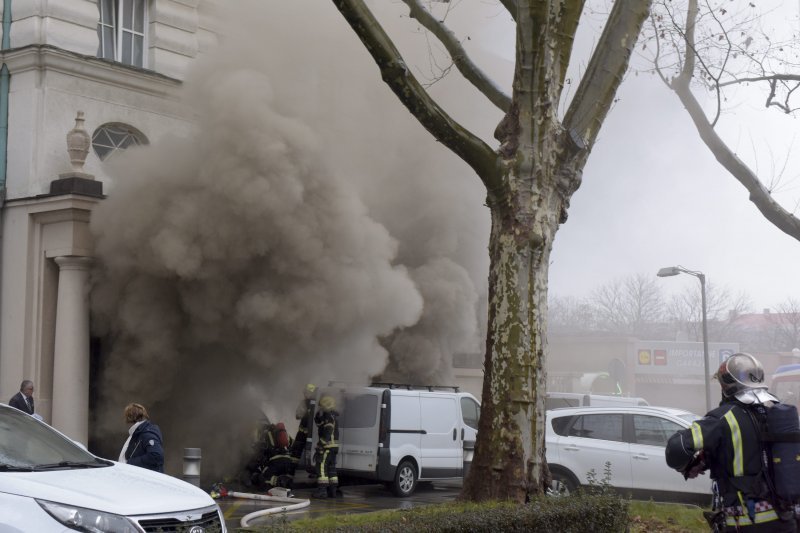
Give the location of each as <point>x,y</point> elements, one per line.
<point>144,445</point>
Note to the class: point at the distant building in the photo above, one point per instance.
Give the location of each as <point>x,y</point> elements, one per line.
<point>664,373</point>
<point>121,63</point>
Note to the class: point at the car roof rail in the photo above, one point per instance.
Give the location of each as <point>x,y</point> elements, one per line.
<point>332,383</point>
<point>409,386</point>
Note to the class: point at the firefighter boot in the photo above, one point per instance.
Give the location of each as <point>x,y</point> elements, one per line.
<point>331,491</point>
<point>321,492</point>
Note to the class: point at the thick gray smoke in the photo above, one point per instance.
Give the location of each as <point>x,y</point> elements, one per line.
<point>307,224</point>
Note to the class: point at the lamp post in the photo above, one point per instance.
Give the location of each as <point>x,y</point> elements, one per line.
<point>674,271</point>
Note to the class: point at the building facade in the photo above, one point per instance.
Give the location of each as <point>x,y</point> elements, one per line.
<point>120,63</point>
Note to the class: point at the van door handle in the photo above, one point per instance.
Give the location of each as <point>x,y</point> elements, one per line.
<point>462,433</point>
<point>454,433</point>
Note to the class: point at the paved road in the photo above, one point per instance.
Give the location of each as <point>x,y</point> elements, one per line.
<point>357,499</point>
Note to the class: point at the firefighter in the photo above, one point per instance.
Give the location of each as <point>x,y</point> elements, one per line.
<point>278,468</point>
<point>304,412</point>
<point>728,443</point>
<point>326,420</point>
<point>251,476</point>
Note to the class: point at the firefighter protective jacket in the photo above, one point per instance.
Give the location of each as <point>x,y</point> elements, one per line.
<point>303,414</point>
<point>327,429</point>
<point>729,437</point>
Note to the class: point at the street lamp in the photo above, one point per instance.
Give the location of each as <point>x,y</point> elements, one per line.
<point>674,271</point>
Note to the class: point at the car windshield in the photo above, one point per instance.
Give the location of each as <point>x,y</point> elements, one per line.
<point>27,444</point>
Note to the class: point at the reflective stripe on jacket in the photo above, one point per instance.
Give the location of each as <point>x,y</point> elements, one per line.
<point>729,438</point>
<point>327,429</point>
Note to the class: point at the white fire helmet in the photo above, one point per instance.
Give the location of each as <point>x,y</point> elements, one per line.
<point>740,372</point>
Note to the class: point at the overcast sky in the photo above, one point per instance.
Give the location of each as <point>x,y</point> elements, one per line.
<point>654,196</point>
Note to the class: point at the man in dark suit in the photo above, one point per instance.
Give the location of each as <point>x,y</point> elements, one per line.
<point>23,400</point>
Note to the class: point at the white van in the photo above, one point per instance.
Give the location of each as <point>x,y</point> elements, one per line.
<point>555,400</point>
<point>401,434</point>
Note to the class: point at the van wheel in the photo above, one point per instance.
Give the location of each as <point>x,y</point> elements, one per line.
<point>405,479</point>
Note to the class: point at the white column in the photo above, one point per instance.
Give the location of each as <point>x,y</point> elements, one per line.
<point>71,354</point>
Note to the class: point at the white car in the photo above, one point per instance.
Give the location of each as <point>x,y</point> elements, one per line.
<point>632,439</point>
<point>48,483</point>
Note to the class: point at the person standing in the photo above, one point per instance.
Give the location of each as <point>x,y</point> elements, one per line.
<point>304,412</point>
<point>327,449</point>
<point>144,446</point>
<point>23,400</point>
<point>728,441</point>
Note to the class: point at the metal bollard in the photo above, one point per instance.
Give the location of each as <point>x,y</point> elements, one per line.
<point>191,466</point>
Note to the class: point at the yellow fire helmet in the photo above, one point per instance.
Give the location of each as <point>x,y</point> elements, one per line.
<point>309,391</point>
<point>327,403</point>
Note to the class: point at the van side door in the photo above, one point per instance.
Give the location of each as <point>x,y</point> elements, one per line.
<point>405,429</point>
<point>358,431</point>
<point>441,452</point>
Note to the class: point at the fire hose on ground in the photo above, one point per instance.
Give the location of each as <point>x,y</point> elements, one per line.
<point>276,495</point>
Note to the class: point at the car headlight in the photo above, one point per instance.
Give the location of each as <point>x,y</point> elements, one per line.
<point>88,520</point>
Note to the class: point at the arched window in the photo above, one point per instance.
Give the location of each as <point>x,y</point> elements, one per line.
<point>114,136</point>
<point>121,30</point>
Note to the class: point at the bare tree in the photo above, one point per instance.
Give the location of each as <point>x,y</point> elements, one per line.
<point>722,310</point>
<point>718,47</point>
<point>787,324</point>
<point>633,305</point>
<point>570,315</point>
<point>530,176</point>
<point>777,331</point>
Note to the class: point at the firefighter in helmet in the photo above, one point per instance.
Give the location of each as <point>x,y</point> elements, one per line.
<point>304,412</point>
<point>276,472</point>
<point>327,423</point>
<point>270,465</point>
<point>727,442</point>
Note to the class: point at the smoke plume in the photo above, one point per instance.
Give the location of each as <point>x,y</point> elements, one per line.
<point>304,226</point>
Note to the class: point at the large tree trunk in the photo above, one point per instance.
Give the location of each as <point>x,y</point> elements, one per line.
<point>512,410</point>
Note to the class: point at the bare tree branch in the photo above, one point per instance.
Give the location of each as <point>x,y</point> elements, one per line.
<point>597,89</point>
<point>463,63</point>
<point>394,72</point>
<point>759,194</point>
<point>511,6</point>
<point>773,77</point>
<point>568,25</point>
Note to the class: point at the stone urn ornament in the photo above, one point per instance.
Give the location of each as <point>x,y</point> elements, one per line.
<point>78,143</point>
<point>77,181</point>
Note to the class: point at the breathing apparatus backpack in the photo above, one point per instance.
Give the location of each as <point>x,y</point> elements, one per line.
<point>781,438</point>
<point>281,436</point>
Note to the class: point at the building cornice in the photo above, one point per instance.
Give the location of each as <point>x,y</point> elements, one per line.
<point>51,58</point>
<point>48,203</point>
